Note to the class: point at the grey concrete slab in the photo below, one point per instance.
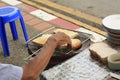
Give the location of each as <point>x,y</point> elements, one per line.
<point>18,49</point>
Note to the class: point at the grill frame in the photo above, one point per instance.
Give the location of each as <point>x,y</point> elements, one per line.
<point>33,49</point>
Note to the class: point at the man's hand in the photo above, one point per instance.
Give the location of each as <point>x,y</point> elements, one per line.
<point>33,69</point>
<point>61,37</point>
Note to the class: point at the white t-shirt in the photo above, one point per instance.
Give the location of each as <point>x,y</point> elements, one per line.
<point>10,72</point>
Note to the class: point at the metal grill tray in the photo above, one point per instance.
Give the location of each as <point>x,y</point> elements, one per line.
<point>59,55</point>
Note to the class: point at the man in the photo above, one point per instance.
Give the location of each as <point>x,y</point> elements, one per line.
<point>33,69</point>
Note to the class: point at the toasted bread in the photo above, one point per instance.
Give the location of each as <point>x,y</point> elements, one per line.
<point>42,39</point>
<point>71,34</point>
<point>101,51</point>
<point>76,44</point>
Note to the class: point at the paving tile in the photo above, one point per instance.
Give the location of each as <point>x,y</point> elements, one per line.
<point>26,7</point>
<point>23,13</point>
<point>42,26</point>
<point>65,24</point>
<point>95,37</point>
<point>43,15</point>
<point>2,4</point>
<point>33,21</point>
<point>28,17</point>
<point>11,2</point>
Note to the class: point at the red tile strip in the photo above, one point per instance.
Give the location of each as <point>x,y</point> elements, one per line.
<point>26,7</point>
<point>34,21</point>
<point>65,24</point>
<point>42,26</point>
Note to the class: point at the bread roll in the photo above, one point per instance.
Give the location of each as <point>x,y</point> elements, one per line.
<point>76,44</point>
<point>100,51</point>
<point>71,34</point>
<point>42,39</point>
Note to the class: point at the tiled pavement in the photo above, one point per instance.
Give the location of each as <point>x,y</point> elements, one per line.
<point>40,20</point>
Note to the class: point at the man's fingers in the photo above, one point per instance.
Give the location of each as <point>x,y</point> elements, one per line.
<point>62,37</point>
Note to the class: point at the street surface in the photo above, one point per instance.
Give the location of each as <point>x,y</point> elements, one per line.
<point>99,8</point>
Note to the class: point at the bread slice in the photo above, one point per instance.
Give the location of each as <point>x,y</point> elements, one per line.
<point>71,34</point>
<point>100,51</point>
<point>42,39</point>
<point>76,44</point>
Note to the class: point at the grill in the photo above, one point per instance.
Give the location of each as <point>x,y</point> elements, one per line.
<point>60,55</point>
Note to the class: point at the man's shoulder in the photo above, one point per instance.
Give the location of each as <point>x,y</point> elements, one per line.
<point>10,72</point>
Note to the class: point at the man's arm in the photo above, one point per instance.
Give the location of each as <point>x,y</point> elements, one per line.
<point>33,69</point>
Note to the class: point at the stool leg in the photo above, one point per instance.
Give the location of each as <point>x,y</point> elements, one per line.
<point>24,28</point>
<point>4,40</point>
<point>13,30</point>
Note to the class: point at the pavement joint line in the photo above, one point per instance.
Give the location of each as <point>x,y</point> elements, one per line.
<point>66,18</point>
<point>79,14</point>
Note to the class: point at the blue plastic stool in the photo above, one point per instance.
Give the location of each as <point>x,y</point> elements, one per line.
<point>9,14</point>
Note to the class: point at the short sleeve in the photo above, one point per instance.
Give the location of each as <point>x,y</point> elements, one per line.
<point>10,72</point>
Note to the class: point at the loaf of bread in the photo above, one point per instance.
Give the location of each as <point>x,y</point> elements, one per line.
<point>76,44</point>
<point>71,34</point>
<point>42,39</point>
<point>100,51</point>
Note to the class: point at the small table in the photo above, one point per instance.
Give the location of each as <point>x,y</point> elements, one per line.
<point>80,67</point>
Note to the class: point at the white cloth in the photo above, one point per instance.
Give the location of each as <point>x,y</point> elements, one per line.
<point>10,72</point>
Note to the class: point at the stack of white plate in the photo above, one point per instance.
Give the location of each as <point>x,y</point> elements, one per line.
<point>112,25</point>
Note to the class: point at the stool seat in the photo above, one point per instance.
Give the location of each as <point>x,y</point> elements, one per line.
<point>10,14</point>
<point>5,11</point>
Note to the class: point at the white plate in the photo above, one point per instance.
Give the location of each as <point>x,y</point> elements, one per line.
<point>112,22</point>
